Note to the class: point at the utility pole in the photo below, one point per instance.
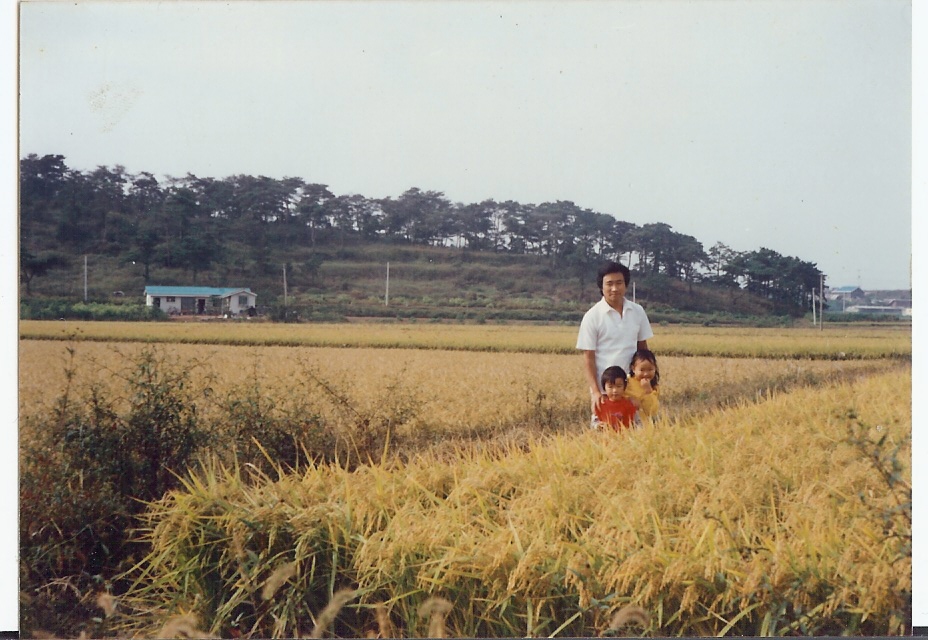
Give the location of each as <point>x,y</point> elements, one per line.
<point>814,301</point>
<point>821,302</point>
<point>85,278</point>
<point>285,285</point>
<point>386,295</point>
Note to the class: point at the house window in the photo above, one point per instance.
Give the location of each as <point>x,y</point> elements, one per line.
<point>243,301</point>
<point>169,299</point>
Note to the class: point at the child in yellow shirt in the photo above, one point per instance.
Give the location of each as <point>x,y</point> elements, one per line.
<point>643,382</point>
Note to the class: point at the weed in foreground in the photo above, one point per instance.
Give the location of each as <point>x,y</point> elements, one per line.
<point>88,471</point>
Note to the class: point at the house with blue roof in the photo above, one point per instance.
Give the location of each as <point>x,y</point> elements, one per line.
<point>215,301</point>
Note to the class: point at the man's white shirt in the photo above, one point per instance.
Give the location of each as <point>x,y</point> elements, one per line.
<point>612,336</point>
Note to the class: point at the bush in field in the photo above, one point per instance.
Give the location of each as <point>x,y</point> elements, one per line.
<point>365,430</point>
<point>54,309</point>
<point>289,313</point>
<point>89,468</point>
<point>271,433</point>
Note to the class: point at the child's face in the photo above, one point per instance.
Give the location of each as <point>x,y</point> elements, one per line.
<point>615,390</point>
<point>644,370</point>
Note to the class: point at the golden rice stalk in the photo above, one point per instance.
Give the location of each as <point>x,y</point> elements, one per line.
<point>183,626</point>
<point>436,609</point>
<point>107,602</point>
<point>629,614</point>
<point>384,625</point>
<point>277,580</point>
<point>328,615</point>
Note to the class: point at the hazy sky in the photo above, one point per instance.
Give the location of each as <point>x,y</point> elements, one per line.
<point>778,124</point>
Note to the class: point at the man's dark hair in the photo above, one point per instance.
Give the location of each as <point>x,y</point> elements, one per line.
<point>612,267</point>
<point>611,374</point>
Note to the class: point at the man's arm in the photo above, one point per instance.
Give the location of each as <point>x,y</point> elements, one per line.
<point>642,344</point>
<point>589,371</point>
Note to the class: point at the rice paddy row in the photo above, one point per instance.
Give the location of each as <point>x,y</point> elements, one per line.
<point>834,342</point>
<point>456,393</point>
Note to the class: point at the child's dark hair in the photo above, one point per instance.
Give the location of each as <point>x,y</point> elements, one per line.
<point>648,356</point>
<point>611,374</point>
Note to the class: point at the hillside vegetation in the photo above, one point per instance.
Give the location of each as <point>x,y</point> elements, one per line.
<point>425,283</point>
<point>482,261</point>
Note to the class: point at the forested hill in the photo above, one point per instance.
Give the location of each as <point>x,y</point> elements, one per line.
<point>297,243</point>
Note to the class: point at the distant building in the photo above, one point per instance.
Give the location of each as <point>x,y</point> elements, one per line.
<point>846,293</point>
<point>878,310</point>
<point>200,300</point>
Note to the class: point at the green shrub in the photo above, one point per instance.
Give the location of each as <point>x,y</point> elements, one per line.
<point>87,472</point>
<point>271,434</point>
<point>91,466</point>
<point>867,317</point>
<point>60,309</point>
<point>290,313</point>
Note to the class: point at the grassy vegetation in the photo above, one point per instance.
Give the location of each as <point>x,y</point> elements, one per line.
<point>451,480</point>
<point>59,309</point>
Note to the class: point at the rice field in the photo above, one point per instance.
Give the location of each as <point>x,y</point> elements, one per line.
<point>456,392</point>
<point>834,342</point>
<point>758,505</point>
<point>767,519</point>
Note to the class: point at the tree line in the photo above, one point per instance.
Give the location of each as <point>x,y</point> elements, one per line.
<point>194,223</point>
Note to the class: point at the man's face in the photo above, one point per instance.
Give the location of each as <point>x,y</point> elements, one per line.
<point>614,288</point>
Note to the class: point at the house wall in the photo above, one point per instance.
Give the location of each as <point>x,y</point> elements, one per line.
<point>180,304</point>
<point>235,303</point>
<point>163,303</point>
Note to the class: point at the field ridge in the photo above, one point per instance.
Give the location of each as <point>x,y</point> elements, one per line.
<point>776,343</point>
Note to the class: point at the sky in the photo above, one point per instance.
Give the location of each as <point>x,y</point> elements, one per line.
<point>784,124</point>
<point>777,124</point>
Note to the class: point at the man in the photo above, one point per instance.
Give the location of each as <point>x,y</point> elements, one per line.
<point>612,330</point>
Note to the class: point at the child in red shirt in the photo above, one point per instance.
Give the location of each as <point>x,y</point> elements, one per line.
<point>616,410</point>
